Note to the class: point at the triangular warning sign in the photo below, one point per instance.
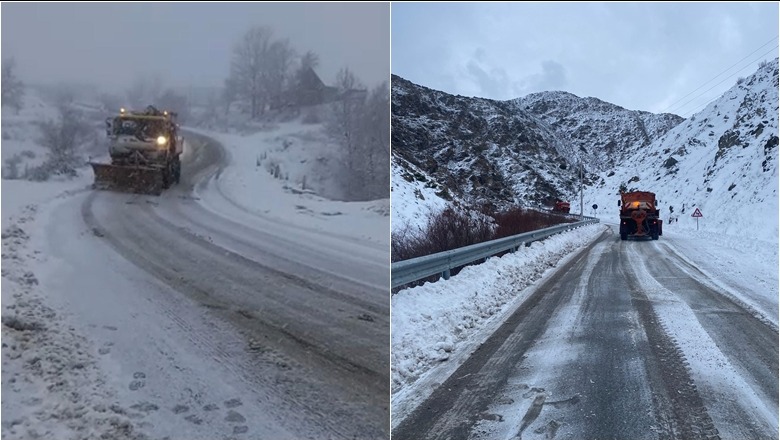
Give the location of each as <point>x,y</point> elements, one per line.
<point>696,213</point>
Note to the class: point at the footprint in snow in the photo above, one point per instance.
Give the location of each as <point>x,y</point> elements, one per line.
<point>192,418</point>
<point>232,403</point>
<point>138,383</point>
<point>234,417</point>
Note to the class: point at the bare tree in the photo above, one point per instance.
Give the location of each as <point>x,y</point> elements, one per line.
<point>360,123</point>
<point>343,127</point>
<point>249,64</point>
<point>12,87</point>
<point>309,60</point>
<point>229,93</point>
<point>210,112</point>
<point>375,134</point>
<point>277,71</point>
<point>62,139</point>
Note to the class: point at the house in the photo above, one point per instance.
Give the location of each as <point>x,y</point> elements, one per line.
<point>310,90</point>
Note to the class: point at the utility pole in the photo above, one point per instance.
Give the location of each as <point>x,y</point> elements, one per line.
<point>581,195</point>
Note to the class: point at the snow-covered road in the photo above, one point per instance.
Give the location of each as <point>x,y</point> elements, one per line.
<point>675,338</point>
<point>195,318</point>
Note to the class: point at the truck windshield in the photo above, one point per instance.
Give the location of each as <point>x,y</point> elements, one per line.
<point>146,129</point>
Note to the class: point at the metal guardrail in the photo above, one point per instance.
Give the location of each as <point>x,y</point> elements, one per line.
<point>408,271</point>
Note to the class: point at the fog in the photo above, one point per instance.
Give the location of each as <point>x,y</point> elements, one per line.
<point>109,45</point>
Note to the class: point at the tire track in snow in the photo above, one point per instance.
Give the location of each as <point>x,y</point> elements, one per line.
<point>344,416</point>
<point>687,353</point>
<point>452,410</point>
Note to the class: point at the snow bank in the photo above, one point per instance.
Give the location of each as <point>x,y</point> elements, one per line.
<point>53,385</point>
<point>435,323</point>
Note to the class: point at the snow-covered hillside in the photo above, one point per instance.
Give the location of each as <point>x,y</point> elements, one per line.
<point>598,132</point>
<point>283,172</point>
<point>481,150</point>
<point>723,160</point>
<point>24,145</point>
<point>20,149</point>
<point>414,196</point>
<point>501,154</point>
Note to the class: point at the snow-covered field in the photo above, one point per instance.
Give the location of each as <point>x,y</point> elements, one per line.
<point>436,326</point>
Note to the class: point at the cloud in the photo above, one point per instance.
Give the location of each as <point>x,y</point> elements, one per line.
<point>493,84</point>
<point>729,35</point>
<point>629,54</point>
<point>553,77</point>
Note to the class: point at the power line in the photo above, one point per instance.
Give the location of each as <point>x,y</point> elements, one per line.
<point>751,63</point>
<point>716,76</point>
<point>727,78</point>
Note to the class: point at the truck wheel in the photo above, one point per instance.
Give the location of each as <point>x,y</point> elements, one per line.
<point>623,236</point>
<point>177,171</point>
<point>166,177</point>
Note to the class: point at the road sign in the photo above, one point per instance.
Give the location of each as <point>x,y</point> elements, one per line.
<point>696,213</point>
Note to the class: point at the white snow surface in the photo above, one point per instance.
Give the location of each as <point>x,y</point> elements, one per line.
<point>301,153</point>
<point>713,372</point>
<point>53,385</point>
<point>19,131</point>
<point>59,381</point>
<point>436,326</point>
<point>412,201</point>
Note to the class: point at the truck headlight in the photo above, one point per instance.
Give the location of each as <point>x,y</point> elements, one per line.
<point>162,141</point>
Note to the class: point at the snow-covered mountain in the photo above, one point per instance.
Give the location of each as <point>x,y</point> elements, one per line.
<point>597,131</point>
<point>520,152</point>
<point>722,160</point>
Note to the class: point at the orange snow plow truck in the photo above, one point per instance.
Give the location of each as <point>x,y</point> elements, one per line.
<point>639,217</point>
<point>561,206</point>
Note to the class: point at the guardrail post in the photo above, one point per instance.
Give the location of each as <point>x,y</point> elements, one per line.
<point>446,274</point>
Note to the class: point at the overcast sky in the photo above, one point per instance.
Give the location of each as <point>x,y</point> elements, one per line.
<point>641,56</point>
<point>186,44</point>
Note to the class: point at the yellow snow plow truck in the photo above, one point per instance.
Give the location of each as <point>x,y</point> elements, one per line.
<point>144,148</point>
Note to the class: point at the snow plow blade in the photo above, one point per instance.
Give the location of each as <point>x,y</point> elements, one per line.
<point>134,179</point>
